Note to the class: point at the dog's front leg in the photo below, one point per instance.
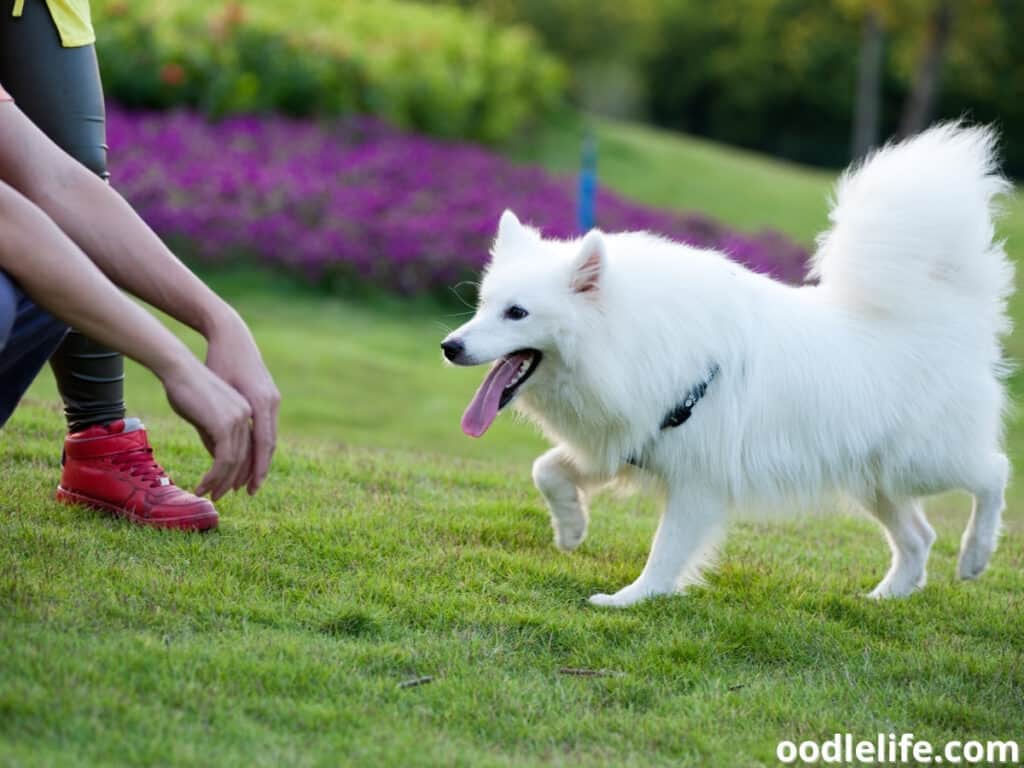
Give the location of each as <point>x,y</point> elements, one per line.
<point>690,526</point>
<point>559,481</point>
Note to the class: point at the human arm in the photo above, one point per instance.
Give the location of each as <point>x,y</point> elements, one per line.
<point>127,251</point>
<point>55,273</point>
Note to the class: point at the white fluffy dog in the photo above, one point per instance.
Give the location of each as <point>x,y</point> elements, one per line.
<point>641,357</point>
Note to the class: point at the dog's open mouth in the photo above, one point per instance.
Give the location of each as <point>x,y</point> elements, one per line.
<point>500,385</point>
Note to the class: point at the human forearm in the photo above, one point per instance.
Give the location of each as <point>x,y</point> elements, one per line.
<point>104,226</point>
<point>122,246</point>
<point>118,242</point>
<point>54,272</point>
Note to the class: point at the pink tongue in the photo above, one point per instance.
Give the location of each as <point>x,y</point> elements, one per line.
<point>483,408</point>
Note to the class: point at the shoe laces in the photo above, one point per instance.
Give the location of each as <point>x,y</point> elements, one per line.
<point>140,463</point>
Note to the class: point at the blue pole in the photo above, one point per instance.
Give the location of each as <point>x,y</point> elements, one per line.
<point>585,211</point>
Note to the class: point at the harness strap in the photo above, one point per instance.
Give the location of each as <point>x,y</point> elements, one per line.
<point>681,413</point>
<point>678,415</point>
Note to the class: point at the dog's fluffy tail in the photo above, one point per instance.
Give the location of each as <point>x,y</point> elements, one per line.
<point>912,232</point>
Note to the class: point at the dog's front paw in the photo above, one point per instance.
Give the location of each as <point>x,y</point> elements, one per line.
<point>626,596</point>
<point>892,588</point>
<point>973,560</point>
<point>607,601</point>
<point>570,526</point>
<point>569,536</point>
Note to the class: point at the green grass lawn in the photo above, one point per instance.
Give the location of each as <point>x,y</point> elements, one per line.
<point>388,546</point>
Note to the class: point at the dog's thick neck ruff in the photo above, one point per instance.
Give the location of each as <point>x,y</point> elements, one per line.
<point>681,412</point>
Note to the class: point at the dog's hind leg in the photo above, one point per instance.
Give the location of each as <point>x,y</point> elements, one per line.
<point>559,481</point>
<point>910,538</point>
<point>690,527</point>
<point>982,532</point>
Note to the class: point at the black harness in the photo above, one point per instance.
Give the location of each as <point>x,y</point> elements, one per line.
<point>682,412</point>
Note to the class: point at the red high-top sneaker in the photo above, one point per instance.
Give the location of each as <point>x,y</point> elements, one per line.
<point>111,467</point>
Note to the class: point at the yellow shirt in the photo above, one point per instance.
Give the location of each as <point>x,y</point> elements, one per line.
<point>72,20</point>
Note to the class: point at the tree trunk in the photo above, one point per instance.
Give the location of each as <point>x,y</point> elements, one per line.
<point>920,105</point>
<point>869,88</point>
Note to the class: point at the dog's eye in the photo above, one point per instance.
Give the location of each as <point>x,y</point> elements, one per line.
<point>515,312</point>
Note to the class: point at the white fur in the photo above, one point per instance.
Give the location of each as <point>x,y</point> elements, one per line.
<point>882,381</point>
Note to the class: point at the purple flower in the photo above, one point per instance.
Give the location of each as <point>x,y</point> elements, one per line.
<point>361,199</point>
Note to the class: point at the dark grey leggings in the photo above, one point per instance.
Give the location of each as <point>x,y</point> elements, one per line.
<point>59,89</point>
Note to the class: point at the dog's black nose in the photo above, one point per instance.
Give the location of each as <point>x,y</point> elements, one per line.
<point>452,348</point>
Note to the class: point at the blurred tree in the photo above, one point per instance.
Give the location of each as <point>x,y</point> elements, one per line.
<point>804,79</point>
<point>867,111</point>
<point>983,77</point>
<point>920,105</point>
<point>774,75</point>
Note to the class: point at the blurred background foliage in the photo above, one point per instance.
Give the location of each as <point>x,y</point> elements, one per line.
<point>815,81</point>
<point>442,71</point>
<point>779,75</point>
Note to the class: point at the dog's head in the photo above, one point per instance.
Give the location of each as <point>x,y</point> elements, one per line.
<point>533,293</point>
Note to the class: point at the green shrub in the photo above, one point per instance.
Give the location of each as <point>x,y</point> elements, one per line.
<point>602,41</point>
<point>439,70</point>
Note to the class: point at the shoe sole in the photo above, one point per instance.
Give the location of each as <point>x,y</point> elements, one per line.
<point>196,522</point>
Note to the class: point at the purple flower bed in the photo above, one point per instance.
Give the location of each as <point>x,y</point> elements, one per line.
<point>363,201</point>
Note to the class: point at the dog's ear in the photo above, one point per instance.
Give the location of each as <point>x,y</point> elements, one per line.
<point>589,263</point>
<point>509,224</point>
<point>512,234</point>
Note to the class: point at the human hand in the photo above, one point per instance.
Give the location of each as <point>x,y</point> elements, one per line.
<point>220,415</point>
<point>233,355</point>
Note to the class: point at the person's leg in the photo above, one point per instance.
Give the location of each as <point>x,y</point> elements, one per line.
<point>59,89</point>
<point>28,336</point>
<point>108,462</point>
